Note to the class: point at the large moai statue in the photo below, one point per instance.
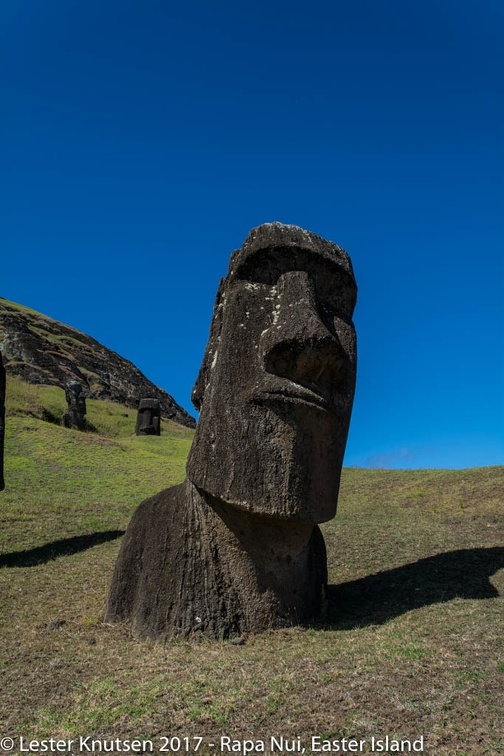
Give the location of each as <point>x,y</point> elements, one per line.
<point>75,416</point>
<point>148,418</point>
<point>237,548</point>
<point>2,422</point>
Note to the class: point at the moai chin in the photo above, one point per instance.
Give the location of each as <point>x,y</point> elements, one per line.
<point>237,548</point>
<point>2,422</point>
<point>148,421</point>
<point>75,416</point>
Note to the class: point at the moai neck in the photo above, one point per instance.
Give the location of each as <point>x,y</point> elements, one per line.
<point>277,569</point>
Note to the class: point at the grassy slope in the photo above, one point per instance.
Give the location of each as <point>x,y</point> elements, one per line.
<point>411,646</point>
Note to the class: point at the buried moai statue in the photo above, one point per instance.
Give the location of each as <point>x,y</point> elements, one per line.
<point>237,548</point>
<point>75,416</point>
<point>148,418</point>
<point>2,422</point>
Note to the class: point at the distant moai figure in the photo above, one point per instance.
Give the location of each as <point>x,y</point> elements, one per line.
<point>2,422</point>
<point>237,547</point>
<point>74,417</point>
<point>148,418</point>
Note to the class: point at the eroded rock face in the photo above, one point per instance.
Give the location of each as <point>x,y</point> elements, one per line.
<point>237,547</point>
<point>148,418</point>
<point>2,422</point>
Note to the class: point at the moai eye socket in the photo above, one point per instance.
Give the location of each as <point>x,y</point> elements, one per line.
<point>335,286</point>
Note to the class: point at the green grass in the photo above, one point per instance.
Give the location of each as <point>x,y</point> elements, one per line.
<point>70,483</point>
<point>411,646</point>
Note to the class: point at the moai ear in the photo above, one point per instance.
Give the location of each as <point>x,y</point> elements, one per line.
<point>203,379</point>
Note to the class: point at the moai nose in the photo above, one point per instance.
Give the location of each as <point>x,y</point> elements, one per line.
<point>298,344</point>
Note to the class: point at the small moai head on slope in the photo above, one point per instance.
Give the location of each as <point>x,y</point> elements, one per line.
<point>148,418</point>
<point>75,395</point>
<point>276,386</point>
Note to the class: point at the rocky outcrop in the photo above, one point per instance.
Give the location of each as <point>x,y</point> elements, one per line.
<point>43,351</point>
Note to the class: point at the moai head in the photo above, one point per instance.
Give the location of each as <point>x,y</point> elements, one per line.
<point>75,415</point>
<point>148,418</point>
<point>2,422</point>
<point>276,386</point>
<point>75,397</point>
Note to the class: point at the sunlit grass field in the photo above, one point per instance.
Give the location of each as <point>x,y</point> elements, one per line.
<point>411,646</point>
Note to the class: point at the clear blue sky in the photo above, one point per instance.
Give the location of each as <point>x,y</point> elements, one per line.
<point>143,140</point>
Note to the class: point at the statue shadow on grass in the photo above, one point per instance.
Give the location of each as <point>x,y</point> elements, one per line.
<point>374,599</point>
<point>62,547</point>
<point>371,600</point>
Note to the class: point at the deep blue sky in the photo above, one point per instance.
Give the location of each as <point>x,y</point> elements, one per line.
<point>143,140</point>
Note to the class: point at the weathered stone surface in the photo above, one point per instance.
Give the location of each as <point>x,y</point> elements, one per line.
<point>43,351</point>
<point>75,416</point>
<point>2,422</point>
<point>237,548</point>
<point>148,418</point>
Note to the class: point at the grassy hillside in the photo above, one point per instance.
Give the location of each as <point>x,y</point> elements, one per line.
<point>412,644</point>
<point>40,350</point>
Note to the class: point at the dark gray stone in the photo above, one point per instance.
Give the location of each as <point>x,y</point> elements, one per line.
<point>237,547</point>
<point>75,416</point>
<point>148,418</point>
